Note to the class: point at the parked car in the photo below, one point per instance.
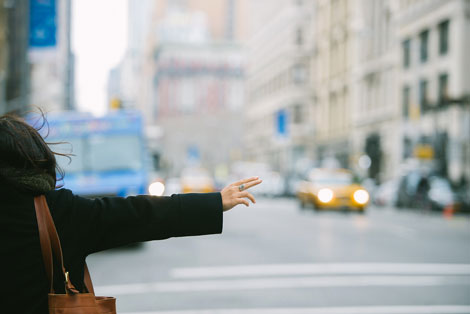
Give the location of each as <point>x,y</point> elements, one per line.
<point>332,189</point>
<point>418,190</point>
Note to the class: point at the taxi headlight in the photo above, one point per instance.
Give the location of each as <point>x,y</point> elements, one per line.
<point>156,188</point>
<point>325,195</point>
<point>361,196</point>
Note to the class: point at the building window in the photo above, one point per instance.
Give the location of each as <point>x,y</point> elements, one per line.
<point>299,74</point>
<point>423,95</point>
<point>298,115</point>
<point>299,37</point>
<point>443,37</point>
<point>443,88</point>
<point>406,53</point>
<point>406,101</point>
<point>423,39</point>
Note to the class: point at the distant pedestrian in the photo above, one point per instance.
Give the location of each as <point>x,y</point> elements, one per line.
<point>28,168</point>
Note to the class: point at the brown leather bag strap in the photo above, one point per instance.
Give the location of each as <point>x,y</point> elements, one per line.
<point>43,209</point>
<point>87,280</point>
<point>45,243</point>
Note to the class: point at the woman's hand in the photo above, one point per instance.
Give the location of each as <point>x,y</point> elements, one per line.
<point>236,193</point>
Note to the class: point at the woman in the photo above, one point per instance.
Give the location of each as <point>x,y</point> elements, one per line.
<point>28,168</point>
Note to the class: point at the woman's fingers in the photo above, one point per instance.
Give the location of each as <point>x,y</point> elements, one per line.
<point>252,184</point>
<point>232,196</point>
<point>248,195</point>
<point>242,201</point>
<point>245,181</point>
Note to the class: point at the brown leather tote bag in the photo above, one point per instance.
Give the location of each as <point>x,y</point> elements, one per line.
<point>73,301</point>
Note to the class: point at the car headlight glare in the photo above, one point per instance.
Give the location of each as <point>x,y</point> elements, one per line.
<point>361,196</point>
<point>156,188</point>
<point>325,195</point>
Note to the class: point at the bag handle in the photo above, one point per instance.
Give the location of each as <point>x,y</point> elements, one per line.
<point>50,243</point>
<point>45,243</point>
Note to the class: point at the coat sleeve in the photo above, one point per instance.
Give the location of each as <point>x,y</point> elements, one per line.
<point>110,222</point>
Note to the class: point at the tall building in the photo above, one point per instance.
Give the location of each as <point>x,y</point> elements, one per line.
<point>279,126</point>
<point>191,87</point>
<point>14,66</point>
<point>375,112</point>
<point>198,97</point>
<point>434,72</point>
<point>124,80</point>
<point>50,56</point>
<point>332,78</point>
<point>225,18</point>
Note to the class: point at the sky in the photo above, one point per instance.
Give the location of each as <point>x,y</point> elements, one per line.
<point>99,40</point>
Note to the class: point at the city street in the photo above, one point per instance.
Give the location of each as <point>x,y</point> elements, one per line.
<point>274,258</point>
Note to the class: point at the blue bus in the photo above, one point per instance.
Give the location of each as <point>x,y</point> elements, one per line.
<point>109,153</point>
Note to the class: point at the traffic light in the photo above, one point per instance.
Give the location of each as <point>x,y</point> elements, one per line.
<point>115,103</point>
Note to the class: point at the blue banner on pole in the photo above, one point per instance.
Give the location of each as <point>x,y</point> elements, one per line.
<point>42,24</point>
<point>281,123</point>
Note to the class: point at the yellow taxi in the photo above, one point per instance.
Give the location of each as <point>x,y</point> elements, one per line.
<point>332,189</point>
<point>196,180</point>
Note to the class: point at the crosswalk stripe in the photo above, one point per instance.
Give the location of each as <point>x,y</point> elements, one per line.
<point>281,283</point>
<point>434,309</point>
<point>322,269</point>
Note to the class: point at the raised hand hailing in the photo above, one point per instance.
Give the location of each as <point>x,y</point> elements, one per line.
<point>236,193</point>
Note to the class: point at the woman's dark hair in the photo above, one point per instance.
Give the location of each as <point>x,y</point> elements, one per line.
<point>23,148</point>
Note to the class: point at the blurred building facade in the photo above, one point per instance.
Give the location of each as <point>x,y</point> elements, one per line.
<point>198,97</point>
<point>191,90</point>
<point>433,82</point>
<point>52,66</point>
<point>279,126</point>
<point>387,80</point>
<point>224,18</point>
<point>375,114</point>
<point>14,66</point>
<point>30,75</point>
<point>332,82</point>
<point>124,80</point>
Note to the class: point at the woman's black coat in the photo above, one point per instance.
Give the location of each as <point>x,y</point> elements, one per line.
<point>86,226</point>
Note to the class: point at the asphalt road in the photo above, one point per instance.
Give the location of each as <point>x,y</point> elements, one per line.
<point>275,258</point>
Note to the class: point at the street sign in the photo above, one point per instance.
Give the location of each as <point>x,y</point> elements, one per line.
<point>42,24</point>
<point>281,123</point>
<point>423,151</point>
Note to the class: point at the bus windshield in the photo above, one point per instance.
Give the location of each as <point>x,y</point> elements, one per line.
<point>100,153</point>
<point>75,147</point>
<point>117,152</point>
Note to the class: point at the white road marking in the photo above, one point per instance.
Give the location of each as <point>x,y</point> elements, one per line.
<point>280,283</point>
<point>433,309</point>
<point>322,269</point>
